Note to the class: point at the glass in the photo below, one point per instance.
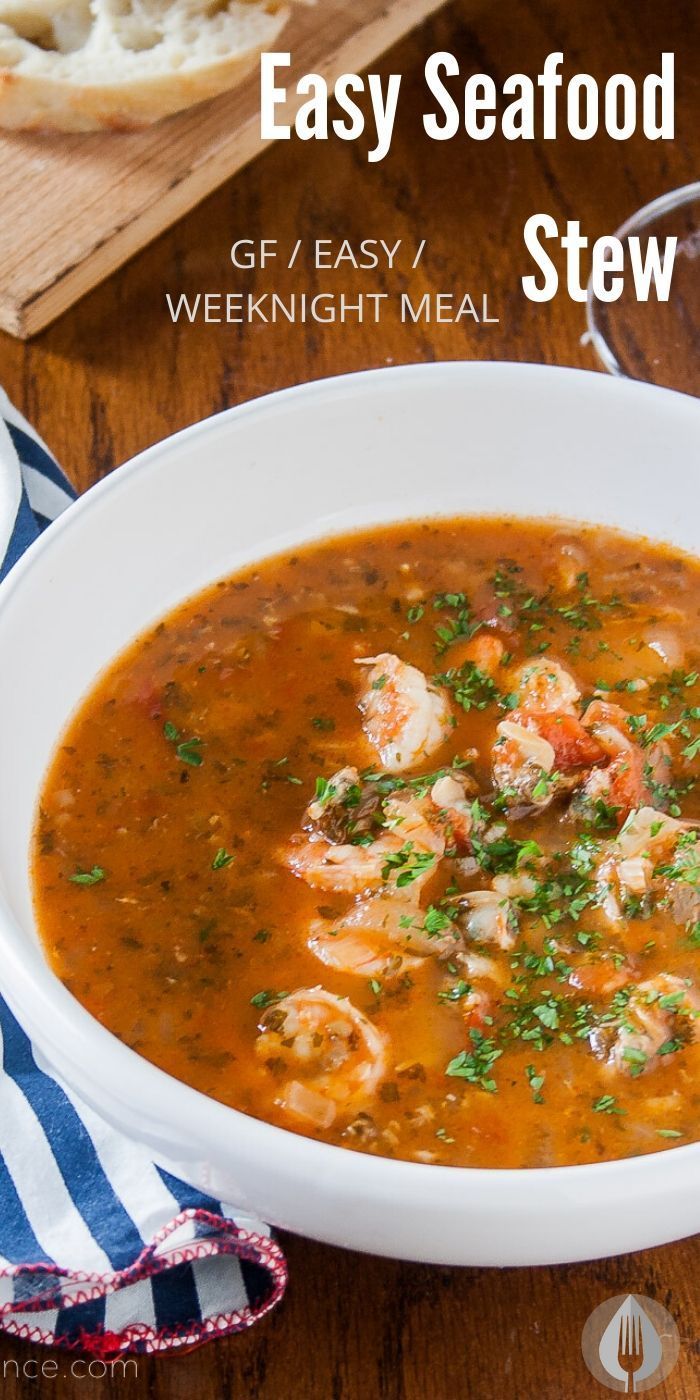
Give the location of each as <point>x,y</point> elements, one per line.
<point>654,340</point>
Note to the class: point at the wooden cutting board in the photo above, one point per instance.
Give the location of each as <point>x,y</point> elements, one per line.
<point>74,208</point>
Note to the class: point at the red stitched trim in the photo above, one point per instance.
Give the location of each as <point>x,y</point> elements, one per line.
<point>228,1238</point>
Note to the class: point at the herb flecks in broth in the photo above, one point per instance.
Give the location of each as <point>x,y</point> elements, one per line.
<point>394,842</point>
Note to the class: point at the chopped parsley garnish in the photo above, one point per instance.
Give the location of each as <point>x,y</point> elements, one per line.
<point>324,791</point>
<point>564,892</point>
<point>323,723</point>
<point>388,783</point>
<point>503,855</point>
<point>435,921</point>
<point>536,1082</point>
<point>222,859</point>
<point>685,865</point>
<point>187,750</point>
<point>582,612</point>
<point>544,785</point>
<point>607,1103</point>
<point>460,625</point>
<point>442,1134</point>
<point>548,1014</point>
<point>455,992</point>
<point>88,877</point>
<point>588,938</point>
<point>267,998</point>
<point>276,771</point>
<point>602,816</point>
<point>683,726</point>
<point>670,1001</point>
<point>409,863</point>
<point>475,1065</point>
<point>635,1058</point>
<point>474,689</point>
<point>585,613</point>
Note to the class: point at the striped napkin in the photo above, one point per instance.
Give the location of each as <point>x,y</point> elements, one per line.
<point>101,1250</point>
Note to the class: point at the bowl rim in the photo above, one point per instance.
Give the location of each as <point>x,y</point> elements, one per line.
<point>72,1025</point>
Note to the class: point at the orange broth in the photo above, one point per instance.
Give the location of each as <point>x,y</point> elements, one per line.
<point>160,861</point>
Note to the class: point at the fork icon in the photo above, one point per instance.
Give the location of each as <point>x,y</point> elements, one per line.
<point>630,1349</point>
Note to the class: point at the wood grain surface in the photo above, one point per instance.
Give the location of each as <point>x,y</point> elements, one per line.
<point>125,189</point>
<point>114,375</point>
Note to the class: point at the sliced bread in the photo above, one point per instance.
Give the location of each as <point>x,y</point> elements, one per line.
<point>121,64</point>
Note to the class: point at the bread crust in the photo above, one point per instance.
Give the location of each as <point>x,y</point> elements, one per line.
<point>30,103</point>
<point>42,103</point>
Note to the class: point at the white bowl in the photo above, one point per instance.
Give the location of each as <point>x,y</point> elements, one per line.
<point>429,439</point>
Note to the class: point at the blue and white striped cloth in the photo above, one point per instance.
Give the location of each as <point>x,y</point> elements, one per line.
<point>100,1249</point>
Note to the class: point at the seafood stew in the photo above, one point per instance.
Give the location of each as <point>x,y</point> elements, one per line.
<point>394,842</point>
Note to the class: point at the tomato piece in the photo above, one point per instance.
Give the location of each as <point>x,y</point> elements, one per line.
<point>627,788</point>
<point>574,746</point>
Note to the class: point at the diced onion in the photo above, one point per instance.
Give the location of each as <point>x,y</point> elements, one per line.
<point>532,746</point>
<point>635,874</point>
<point>309,1105</point>
<point>667,644</point>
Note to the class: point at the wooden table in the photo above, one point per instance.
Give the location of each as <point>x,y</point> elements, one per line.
<point>114,375</point>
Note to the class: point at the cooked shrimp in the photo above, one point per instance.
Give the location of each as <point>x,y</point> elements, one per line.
<point>409,817</point>
<point>405,718</point>
<point>660,1016</point>
<point>345,869</point>
<point>622,783</point>
<point>543,736</point>
<point>452,795</point>
<point>628,862</point>
<point>649,833</point>
<point>601,712</point>
<point>372,940</point>
<point>647,840</point>
<point>486,982</point>
<point>485,651</point>
<point>337,1056</point>
<point>414,846</point>
<point>545,685</point>
<point>601,977</point>
<point>516,886</point>
<point>522,761</point>
<point>407,852</point>
<point>488,916</point>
